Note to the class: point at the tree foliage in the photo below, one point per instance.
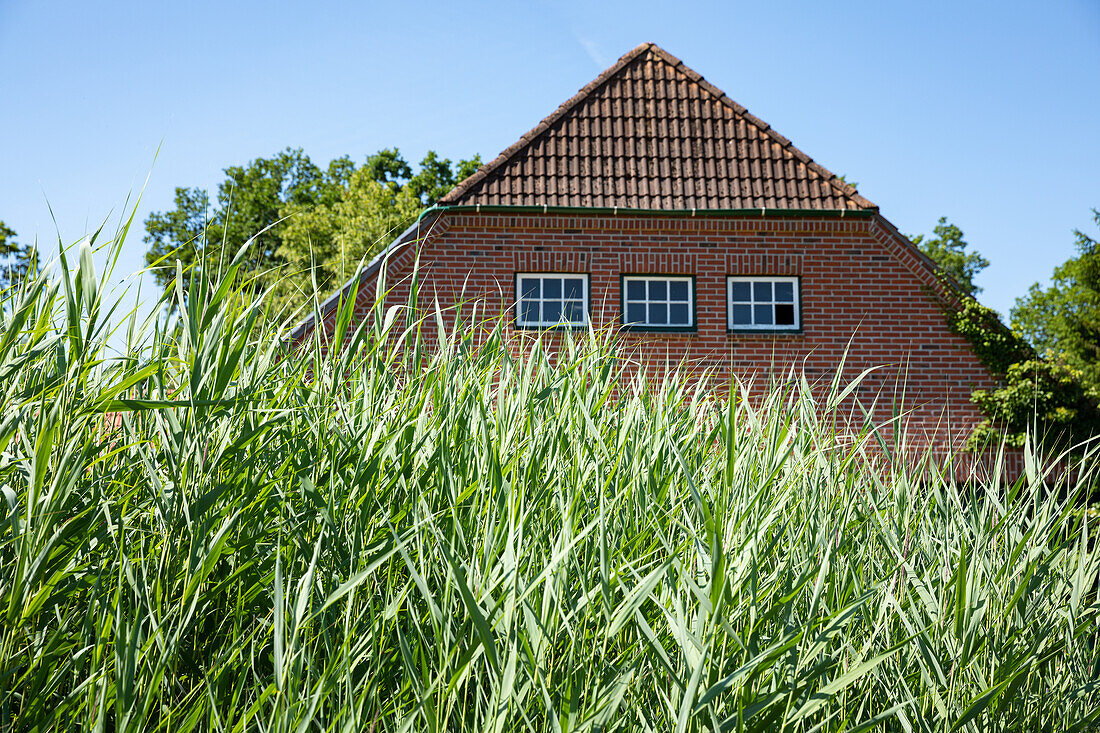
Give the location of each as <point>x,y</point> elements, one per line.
<point>948,249</point>
<point>333,238</point>
<point>1064,319</point>
<point>249,204</point>
<point>299,216</point>
<point>1047,363</point>
<point>994,343</point>
<point>16,260</point>
<point>1044,396</point>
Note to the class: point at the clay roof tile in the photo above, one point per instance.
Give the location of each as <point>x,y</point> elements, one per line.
<point>650,133</point>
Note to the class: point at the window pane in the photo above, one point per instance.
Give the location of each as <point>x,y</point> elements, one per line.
<point>529,287</point>
<point>742,315</point>
<point>762,292</point>
<point>635,289</point>
<point>658,314</point>
<point>678,314</point>
<point>678,290</point>
<point>574,311</point>
<point>763,314</point>
<point>784,292</point>
<point>549,300</point>
<point>529,311</point>
<point>657,290</point>
<point>784,314</point>
<point>635,313</point>
<point>741,292</point>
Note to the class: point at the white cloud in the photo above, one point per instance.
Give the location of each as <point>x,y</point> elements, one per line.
<point>593,51</point>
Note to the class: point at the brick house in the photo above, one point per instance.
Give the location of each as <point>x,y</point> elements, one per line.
<point>652,203</point>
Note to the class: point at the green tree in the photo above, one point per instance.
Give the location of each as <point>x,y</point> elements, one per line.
<point>300,216</point>
<point>249,204</point>
<point>437,176</point>
<point>16,259</point>
<point>333,238</point>
<point>947,248</point>
<point>1047,364</point>
<point>379,200</point>
<point>179,234</point>
<point>1046,397</point>
<point>388,168</point>
<point>1064,319</point>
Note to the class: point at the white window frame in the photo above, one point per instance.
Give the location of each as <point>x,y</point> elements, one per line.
<point>795,281</point>
<point>521,276</point>
<point>667,279</point>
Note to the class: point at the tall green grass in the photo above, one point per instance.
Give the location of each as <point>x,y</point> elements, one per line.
<point>210,531</point>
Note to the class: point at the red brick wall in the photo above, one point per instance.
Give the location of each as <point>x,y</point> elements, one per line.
<point>859,284</point>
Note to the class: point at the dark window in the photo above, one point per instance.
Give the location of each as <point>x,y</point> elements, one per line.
<point>763,303</point>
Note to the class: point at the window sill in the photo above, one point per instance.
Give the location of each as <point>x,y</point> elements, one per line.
<point>559,327</point>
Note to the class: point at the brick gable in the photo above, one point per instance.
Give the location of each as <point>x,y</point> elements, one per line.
<point>861,302</point>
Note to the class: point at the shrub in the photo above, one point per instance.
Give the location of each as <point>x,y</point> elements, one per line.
<point>1038,396</point>
<point>1041,396</point>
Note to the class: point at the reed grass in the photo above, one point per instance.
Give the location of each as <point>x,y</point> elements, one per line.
<point>212,531</point>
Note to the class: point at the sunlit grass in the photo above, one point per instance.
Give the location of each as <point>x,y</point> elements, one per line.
<point>216,532</point>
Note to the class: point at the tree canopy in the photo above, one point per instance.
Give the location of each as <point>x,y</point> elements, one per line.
<point>948,249</point>
<point>301,217</point>
<point>16,259</point>
<point>1064,319</point>
<point>1047,364</point>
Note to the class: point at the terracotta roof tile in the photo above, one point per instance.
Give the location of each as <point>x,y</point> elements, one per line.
<point>650,133</point>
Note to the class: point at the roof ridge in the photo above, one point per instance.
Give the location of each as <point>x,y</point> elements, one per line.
<point>846,191</point>
<point>582,94</point>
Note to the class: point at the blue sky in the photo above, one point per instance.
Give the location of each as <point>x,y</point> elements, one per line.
<point>987,113</point>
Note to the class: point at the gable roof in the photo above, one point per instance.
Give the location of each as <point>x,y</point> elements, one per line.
<point>650,133</point>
